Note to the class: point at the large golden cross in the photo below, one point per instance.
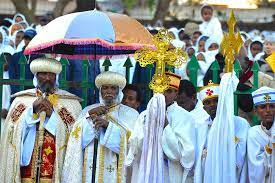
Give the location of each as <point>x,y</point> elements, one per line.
<point>231,43</point>
<point>162,55</point>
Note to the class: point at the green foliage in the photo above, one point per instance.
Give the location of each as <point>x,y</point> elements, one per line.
<point>129,4</point>
<point>151,3</point>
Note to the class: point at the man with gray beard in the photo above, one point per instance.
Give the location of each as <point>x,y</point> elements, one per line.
<point>97,145</point>
<point>37,128</point>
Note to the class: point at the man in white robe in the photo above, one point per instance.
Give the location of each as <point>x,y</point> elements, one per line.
<point>19,153</point>
<point>209,96</point>
<point>187,90</point>
<point>261,138</point>
<point>98,143</point>
<point>177,140</point>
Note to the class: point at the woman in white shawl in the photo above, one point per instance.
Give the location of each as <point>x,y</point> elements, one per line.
<point>200,45</point>
<point>212,48</point>
<point>6,91</point>
<point>17,39</point>
<point>201,58</point>
<point>18,17</point>
<point>256,49</point>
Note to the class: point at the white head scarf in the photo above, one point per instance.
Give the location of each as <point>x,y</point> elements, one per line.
<point>178,44</point>
<point>19,15</point>
<point>211,55</point>
<point>210,41</point>
<point>174,31</point>
<point>24,22</point>
<point>259,55</point>
<point>13,39</point>
<point>204,66</point>
<point>2,44</point>
<point>246,34</point>
<point>202,37</point>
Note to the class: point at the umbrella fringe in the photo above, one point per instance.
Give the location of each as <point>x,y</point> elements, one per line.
<point>103,43</point>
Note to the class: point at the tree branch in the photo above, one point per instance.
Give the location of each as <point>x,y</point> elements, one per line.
<point>161,10</point>
<point>59,7</point>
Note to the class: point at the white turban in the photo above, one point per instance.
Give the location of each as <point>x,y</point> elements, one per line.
<point>45,65</point>
<point>110,78</point>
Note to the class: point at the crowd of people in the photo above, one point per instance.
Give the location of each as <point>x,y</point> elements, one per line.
<point>182,135</point>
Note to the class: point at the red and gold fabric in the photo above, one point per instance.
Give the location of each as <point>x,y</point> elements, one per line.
<point>48,159</point>
<point>174,80</point>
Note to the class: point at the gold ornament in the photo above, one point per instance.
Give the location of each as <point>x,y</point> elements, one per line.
<point>162,55</point>
<point>48,150</point>
<point>267,98</point>
<point>231,44</point>
<point>271,61</point>
<point>53,98</point>
<point>76,131</point>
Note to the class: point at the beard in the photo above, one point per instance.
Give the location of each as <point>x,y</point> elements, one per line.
<point>47,87</point>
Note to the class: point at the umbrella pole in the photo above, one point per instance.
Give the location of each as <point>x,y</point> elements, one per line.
<point>94,159</point>
<point>95,140</point>
<point>95,62</point>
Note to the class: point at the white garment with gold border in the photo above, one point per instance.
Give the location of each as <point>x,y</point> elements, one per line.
<point>14,126</point>
<point>177,143</point>
<point>259,158</point>
<point>112,147</point>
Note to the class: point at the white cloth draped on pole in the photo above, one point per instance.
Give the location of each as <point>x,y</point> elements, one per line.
<point>221,155</point>
<point>151,163</point>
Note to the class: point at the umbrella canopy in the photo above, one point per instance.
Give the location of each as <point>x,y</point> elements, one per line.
<point>90,35</point>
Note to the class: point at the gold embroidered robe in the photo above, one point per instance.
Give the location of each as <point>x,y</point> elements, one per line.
<point>68,108</point>
<point>111,152</point>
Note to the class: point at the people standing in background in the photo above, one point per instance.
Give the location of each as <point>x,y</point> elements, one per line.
<point>177,139</point>
<point>200,45</point>
<point>97,146</point>
<point>207,130</point>
<point>132,96</point>
<point>18,17</point>
<point>14,69</point>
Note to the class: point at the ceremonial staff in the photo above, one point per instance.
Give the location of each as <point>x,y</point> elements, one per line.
<point>41,130</point>
<point>231,44</point>
<point>96,142</point>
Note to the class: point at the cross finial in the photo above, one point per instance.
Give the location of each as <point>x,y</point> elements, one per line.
<point>267,98</point>
<point>162,55</point>
<point>231,43</point>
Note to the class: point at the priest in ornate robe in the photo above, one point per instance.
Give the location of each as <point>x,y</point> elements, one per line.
<point>24,147</point>
<point>261,138</point>
<point>97,146</point>
<point>174,157</point>
<point>221,139</point>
